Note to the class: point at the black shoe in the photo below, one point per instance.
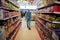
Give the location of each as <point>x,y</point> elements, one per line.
<point>29,28</point>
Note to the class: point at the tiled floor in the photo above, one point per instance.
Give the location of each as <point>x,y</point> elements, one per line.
<point>25,34</point>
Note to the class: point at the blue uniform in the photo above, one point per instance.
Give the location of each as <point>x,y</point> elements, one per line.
<point>28,18</point>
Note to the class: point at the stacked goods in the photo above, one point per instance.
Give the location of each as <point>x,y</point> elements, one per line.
<point>33,16</point>
<point>48,17</point>
<point>9,5</point>
<point>0,3</point>
<point>8,19</point>
<point>5,14</point>
<point>9,25</point>
<point>2,33</point>
<point>50,2</point>
<point>57,19</point>
<point>56,8</point>
<point>55,25</point>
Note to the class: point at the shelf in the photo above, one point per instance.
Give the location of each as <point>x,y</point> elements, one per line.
<point>56,3</point>
<point>40,34</point>
<point>45,19</point>
<point>44,25</point>
<point>54,36</point>
<point>14,22</point>
<point>11,10</point>
<point>15,33</point>
<point>53,13</point>
<point>15,16</point>
<point>13,3</point>
<point>17,25</point>
<point>56,12</point>
<point>9,17</point>
<point>43,31</point>
<point>13,29</point>
<point>56,22</point>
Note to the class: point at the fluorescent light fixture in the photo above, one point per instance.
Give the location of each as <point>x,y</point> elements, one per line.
<point>28,7</point>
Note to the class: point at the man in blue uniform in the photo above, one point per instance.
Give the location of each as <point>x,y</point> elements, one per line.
<point>28,18</point>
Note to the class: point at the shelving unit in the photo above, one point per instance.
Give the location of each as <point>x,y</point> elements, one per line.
<point>45,19</point>
<point>13,2</point>
<point>48,21</point>
<point>10,19</point>
<point>40,33</point>
<point>46,6</point>
<point>43,34</point>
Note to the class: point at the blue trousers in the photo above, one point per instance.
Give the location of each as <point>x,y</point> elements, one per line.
<point>28,23</point>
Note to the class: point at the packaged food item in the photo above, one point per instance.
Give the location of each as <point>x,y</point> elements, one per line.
<point>44,2</point>
<point>49,2</point>
<point>53,18</point>
<point>51,9</point>
<point>5,14</point>
<point>48,24</point>
<point>48,17</point>
<point>54,36</point>
<point>2,34</point>
<point>56,8</point>
<point>57,19</point>
<point>55,25</point>
<point>41,14</point>
<point>0,3</point>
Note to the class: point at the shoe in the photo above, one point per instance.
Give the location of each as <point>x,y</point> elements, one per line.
<point>29,28</point>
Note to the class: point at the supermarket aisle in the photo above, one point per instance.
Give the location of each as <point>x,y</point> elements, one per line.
<point>25,34</point>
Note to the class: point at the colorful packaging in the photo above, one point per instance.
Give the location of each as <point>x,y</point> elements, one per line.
<point>56,8</point>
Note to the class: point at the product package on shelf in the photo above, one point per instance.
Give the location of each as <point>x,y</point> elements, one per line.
<point>9,5</point>
<point>57,19</point>
<point>58,0</point>
<point>50,2</point>
<point>8,22</point>
<point>2,33</point>
<point>56,8</point>
<point>55,36</point>
<point>55,26</point>
<point>46,32</point>
<point>14,14</point>
<point>48,24</point>
<point>57,32</point>
<point>53,18</point>
<point>1,14</point>
<point>4,14</point>
<point>49,17</point>
<point>50,9</point>
<point>0,3</point>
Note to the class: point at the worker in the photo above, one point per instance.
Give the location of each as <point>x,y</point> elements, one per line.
<point>28,18</point>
